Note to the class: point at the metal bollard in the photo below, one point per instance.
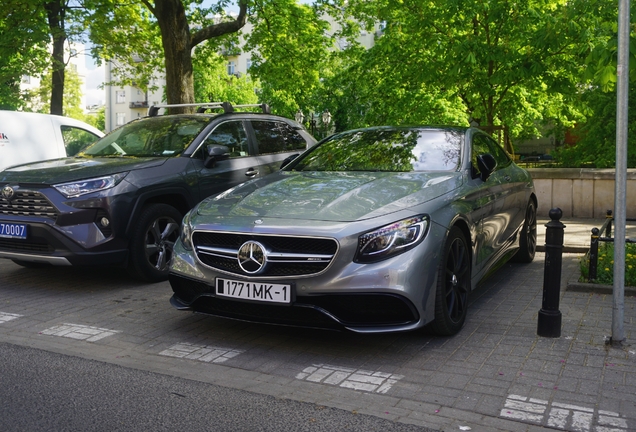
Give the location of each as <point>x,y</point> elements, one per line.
<point>549,321</point>
<point>593,262</point>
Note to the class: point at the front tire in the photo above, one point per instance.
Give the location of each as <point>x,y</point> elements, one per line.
<point>528,236</point>
<point>453,285</point>
<point>153,241</point>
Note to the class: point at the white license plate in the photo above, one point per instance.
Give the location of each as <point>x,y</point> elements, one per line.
<point>13,230</point>
<point>259,291</point>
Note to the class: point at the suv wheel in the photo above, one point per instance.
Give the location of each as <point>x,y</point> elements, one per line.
<point>153,240</point>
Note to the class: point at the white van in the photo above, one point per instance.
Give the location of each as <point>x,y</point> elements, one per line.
<point>32,137</point>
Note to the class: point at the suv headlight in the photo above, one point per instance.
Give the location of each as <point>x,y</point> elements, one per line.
<point>83,187</point>
<point>186,232</point>
<point>391,239</point>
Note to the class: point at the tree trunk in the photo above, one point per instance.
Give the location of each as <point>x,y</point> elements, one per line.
<point>56,12</point>
<point>175,36</point>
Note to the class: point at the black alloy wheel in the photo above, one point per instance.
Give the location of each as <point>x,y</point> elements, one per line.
<point>153,242</point>
<point>453,285</point>
<point>528,236</point>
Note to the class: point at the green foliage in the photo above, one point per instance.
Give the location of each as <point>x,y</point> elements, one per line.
<point>212,82</point>
<point>516,64</point>
<point>23,49</point>
<point>40,97</point>
<point>289,51</point>
<point>605,265</point>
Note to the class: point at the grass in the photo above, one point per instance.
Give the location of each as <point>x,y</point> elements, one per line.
<point>605,267</point>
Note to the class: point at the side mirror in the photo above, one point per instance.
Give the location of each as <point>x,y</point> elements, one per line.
<point>216,153</point>
<point>486,164</point>
<point>288,159</point>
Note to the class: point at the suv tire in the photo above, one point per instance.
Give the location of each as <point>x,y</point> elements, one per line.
<point>153,238</point>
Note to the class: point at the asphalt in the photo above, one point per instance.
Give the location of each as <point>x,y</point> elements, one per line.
<point>498,374</point>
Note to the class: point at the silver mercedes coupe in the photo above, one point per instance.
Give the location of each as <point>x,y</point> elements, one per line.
<point>372,230</point>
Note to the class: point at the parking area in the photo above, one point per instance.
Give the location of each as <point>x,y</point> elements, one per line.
<point>496,374</point>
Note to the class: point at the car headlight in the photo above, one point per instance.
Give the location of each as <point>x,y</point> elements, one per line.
<point>186,232</point>
<point>83,187</point>
<point>391,239</point>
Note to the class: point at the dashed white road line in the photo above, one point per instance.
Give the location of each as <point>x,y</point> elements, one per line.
<point>562,416</point>
<point>5,316</point>
<point>208,354</point>
<point>356,379</point>
<point>78,331</point>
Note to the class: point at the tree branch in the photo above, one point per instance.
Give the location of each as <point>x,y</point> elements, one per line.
<point>221,28</point>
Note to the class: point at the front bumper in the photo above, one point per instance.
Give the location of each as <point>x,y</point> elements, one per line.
<point>395,294</point>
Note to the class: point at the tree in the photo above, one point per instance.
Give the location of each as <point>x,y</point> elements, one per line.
<point>23,49</point>
<point>503,62</point>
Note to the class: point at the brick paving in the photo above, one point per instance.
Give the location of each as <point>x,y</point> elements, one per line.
<point>495,375</point>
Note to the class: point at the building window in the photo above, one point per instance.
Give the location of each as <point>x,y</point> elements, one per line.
<point>249,63</point>
<point>121,119</point>
<point>120,97</point>
<point>231,68</point>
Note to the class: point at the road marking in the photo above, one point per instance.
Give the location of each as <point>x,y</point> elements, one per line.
<point>208,354</point>
<point>78,331</point>
<point>376,382</point>
<point>6,316</point>
<point>562,416</point>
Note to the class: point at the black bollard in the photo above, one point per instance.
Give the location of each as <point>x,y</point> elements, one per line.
<point>593,262</point>
<point>549,322</point>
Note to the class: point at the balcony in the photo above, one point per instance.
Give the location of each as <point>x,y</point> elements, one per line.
<point>142,104</point>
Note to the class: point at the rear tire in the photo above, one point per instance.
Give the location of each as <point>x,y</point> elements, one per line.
<point>153,241</point>
<point>528,236</point>
<point>453,285</point>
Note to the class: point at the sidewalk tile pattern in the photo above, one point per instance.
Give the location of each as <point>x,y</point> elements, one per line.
<point>5,317</point>
<point>376,382</point>
<point>205,354</point>
<point>81,332</point>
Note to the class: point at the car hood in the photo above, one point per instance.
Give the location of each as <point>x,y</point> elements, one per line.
<point>75,168</point>
<point>330,196</point>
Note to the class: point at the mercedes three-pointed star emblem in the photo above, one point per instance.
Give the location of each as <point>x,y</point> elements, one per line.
<point>252,257</point>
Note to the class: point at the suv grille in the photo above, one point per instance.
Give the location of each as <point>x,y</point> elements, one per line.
<point>285,255</point>
<point>28,203</point>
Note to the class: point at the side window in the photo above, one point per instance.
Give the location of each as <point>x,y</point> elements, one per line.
<point>76,139</point>
<point>232,135</point>
<point>293,140</point>
<point>269,137</point>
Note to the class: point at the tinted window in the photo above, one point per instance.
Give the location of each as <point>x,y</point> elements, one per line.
<point>293,140</point>
<point>232,135</point>
<point>269,137</point>
<point>153,136</point>
<point>385,149</point>
<point>76,139</point>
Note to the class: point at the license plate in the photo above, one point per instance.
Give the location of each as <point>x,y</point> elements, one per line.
<point>13,230</point>
<point>265,292</point>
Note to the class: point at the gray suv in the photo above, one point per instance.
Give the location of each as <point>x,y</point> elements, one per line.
<point>120,202</point>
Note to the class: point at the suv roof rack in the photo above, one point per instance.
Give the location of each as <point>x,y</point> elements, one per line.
<point>202,107</point>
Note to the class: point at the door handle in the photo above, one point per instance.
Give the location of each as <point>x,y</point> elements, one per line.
<point>251,172</point>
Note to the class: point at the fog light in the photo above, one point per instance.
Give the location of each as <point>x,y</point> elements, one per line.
<point>105,222</point>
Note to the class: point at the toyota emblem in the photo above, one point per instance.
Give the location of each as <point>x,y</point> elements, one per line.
<point>252,257</point>
<point>7,193</point>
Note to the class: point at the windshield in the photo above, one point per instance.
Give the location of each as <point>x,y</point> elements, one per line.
<point>153,136</point>
<point>385,149</point>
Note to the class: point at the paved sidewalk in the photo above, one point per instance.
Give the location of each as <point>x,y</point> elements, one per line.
<point>495,375</point>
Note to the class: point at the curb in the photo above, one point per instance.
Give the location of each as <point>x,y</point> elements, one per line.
<point>597,288</point>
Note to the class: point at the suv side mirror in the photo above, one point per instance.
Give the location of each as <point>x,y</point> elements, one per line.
<point>216,153</point>
<point>486,164</point>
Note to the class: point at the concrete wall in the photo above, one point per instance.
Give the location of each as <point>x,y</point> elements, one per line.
<point>580,192</point>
